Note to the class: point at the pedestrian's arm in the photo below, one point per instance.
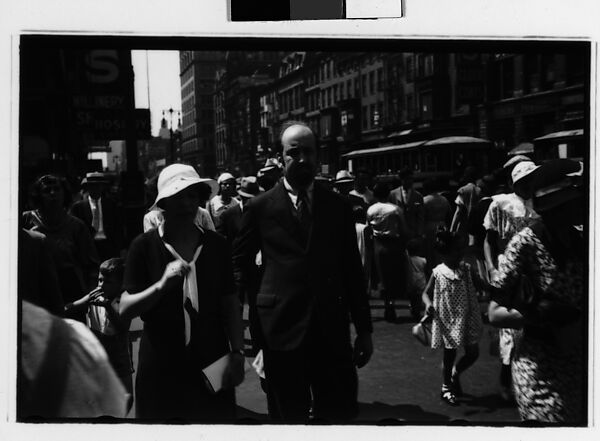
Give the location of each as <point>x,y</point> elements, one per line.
<point>427,294</point>
<point>112,309</point>
<point>490,249</point>
<point>134,304</point>
<point>459,215</point>
<point>503,317</point>
<point>78,304</point>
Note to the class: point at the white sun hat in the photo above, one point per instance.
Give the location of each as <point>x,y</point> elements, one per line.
<point>522,169</point>
<point>177,177</point>
<point>225,177</point>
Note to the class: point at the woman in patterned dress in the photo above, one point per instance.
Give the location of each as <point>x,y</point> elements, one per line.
<point>455,311</point>
<point>546,259</point>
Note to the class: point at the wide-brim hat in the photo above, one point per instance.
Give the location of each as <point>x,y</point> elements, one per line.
<point>522,169</point>
<point>343,176</point>
<point>556,182</point>
<point>249,187</point>
<point>176,178</point>
<point>94,178</point>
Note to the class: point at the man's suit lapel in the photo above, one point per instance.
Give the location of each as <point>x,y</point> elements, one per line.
<point>283,212</point>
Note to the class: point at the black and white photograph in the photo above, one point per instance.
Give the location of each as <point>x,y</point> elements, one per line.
<point>303,231</point>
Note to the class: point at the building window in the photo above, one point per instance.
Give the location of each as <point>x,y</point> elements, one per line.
<point>508,77</point>
<point>428,65</point>
<point>426,113</point>
<point>365,117</point>
<point>349,88</point>
<point>410,107</point>
<point>373,113</point>
<point>410,68</point>
<point>380,79</point>
<point>363,91</point>
<point>371,82</point>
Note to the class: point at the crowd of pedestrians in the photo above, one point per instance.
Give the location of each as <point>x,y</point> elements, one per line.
<point>305,253</point>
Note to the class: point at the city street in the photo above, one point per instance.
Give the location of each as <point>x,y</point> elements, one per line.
<point>401,384</point>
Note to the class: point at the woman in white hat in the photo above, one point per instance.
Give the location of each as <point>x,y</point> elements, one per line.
<point>178,278</point>
<point>224,199</point>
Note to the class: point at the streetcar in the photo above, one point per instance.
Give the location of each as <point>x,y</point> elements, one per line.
<point>442,158</point>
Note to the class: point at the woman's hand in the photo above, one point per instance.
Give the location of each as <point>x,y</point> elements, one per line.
<point>173,273</point>
<point>234,372</point>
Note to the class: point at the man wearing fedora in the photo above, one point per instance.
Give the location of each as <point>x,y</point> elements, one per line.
<point>312,286</point>
<point>102,215</point>
<point>269,175</point>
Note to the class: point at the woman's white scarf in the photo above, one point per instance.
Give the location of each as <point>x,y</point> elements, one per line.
<point>190,283</point>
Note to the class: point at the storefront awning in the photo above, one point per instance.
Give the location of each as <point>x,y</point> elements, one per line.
<point>456,140</point>
<point>379,150</point>
<point>561,134</point>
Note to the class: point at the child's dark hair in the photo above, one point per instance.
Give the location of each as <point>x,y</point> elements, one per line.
<point>35,192</point>
<point>446,241</point>
<point>114,267</point>
<point>413,246</point>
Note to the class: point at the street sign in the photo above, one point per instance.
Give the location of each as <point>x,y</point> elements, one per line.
<point>109,124</point>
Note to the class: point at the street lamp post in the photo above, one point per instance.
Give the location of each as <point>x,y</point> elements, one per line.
<point>171,134</point>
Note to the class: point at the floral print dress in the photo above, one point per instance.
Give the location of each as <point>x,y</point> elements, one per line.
<point>547,375</point>
<point>457,318</point>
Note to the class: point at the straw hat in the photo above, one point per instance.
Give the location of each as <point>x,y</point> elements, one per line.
<point>178,177</point>
<point>522,169</point>
<point>343,176</point>
<point>94,178</point>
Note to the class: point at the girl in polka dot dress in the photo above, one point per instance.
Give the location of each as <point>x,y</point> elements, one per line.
<point>455,311</point>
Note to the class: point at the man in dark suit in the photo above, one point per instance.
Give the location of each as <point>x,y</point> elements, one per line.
<point>231,218</point>
<point>102,215</point>
<point>411,202</point>
<point>312,286</point>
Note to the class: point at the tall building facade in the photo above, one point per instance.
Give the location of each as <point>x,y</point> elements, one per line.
<point>198,79</point>
<point>366,100</point>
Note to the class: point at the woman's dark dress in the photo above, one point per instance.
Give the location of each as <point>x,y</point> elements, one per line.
<point>169,382</point>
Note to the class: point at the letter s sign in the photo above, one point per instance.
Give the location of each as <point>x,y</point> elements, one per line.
<point>102,66</point>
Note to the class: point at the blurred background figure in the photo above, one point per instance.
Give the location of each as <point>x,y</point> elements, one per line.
<point>225,198</point>
<point>269,175</point>
<point>362,184</point>
<point>102,215</point>
<point>344,182</point>
<point>389,248</point>
<point>466,199</point>
<point>411,203</point>
<point>71,245</point>
<point>437,213</point>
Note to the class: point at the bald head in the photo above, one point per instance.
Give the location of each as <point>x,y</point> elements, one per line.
<point>299,155</point>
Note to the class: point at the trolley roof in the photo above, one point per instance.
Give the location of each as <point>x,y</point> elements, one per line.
<point>447,140</point>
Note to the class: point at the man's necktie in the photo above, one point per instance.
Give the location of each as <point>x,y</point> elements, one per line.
<point>304,216</point>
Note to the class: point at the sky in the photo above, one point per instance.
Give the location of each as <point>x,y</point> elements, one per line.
<point>161,70</point>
